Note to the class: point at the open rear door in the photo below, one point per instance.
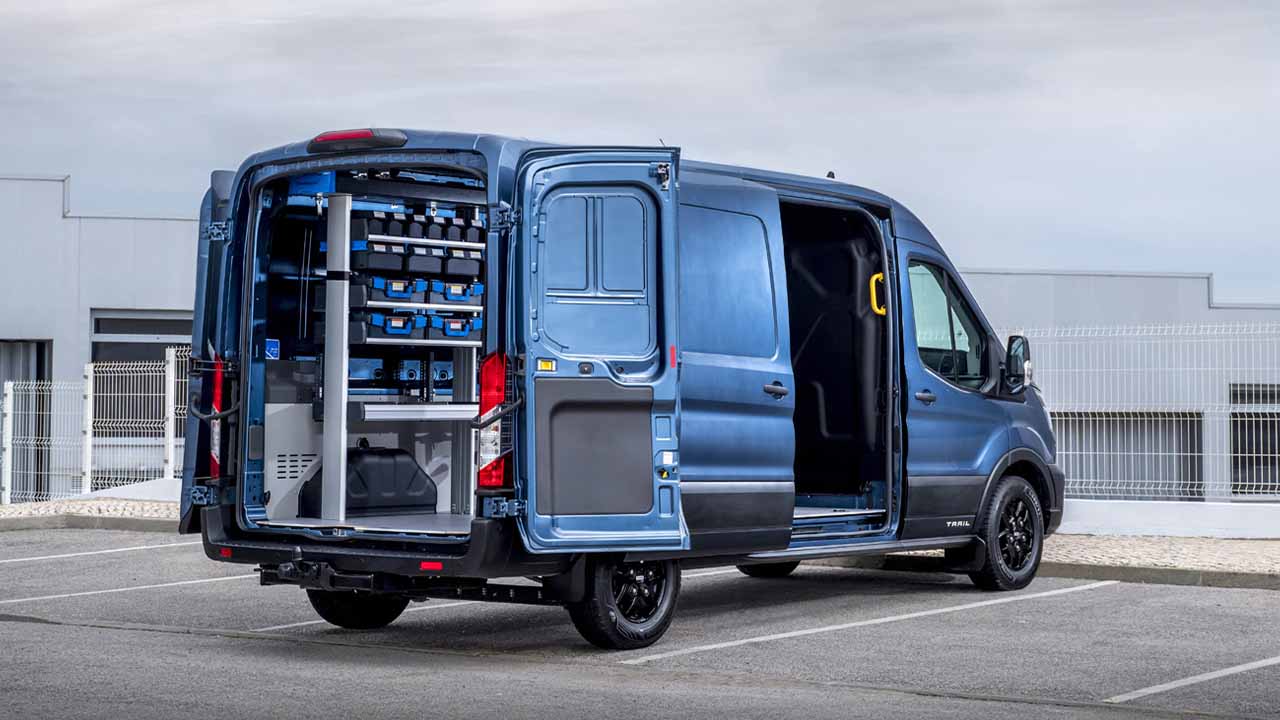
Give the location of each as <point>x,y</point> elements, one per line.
<point>214,213</point>
<point>595,319</point>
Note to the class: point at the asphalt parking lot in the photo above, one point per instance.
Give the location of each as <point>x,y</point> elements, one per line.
<point>102,623</point>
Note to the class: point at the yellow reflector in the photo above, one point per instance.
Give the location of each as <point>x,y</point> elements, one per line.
<point>546,365</point>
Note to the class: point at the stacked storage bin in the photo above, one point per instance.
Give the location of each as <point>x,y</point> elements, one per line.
<point>417,276</point>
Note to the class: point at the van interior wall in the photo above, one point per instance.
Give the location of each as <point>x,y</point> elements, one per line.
<point>837,349</point>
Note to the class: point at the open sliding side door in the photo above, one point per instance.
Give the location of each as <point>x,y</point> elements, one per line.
<point>595,320</point>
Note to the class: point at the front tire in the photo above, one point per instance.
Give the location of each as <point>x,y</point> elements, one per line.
<point>357,610</point>
<point>769,570</point>
<point>627,605</point>
<point>1013,529</point>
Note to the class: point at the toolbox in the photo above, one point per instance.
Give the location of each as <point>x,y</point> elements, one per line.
<point>366,326</point>
<point>445,327</point>
<point>380,289</point>
<point>451,293</point>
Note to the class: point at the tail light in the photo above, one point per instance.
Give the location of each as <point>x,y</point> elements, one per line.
<point>494,451</point>
<point>215,425</point>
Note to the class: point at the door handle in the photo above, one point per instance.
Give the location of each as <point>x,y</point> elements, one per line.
<point>776,389</point>
<point>926,397</point>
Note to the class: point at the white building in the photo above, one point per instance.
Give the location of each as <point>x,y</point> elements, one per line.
<point>81,288</point>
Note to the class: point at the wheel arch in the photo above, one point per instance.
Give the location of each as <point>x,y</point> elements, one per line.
<point>1026,464</point>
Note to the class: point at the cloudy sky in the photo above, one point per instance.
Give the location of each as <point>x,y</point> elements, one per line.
<point>1077,135</point>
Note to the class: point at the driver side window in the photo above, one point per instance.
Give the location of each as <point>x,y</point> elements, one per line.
<point>948,335</point>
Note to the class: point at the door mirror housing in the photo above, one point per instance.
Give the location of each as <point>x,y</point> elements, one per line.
<point>1017,364</point>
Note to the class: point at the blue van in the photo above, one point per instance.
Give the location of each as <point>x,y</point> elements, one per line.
<point>424,362</point>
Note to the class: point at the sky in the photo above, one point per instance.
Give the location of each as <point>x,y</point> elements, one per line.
<point>1076,135</point>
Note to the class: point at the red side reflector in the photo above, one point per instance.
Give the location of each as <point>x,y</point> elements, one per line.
<point>431,565</point>
<point>224,552</point>
<point>493,475</point>
<point>673,356</point>
<point>336,135</point>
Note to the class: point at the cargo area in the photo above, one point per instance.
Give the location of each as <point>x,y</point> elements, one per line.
<point>368,310</point>
<point>839,355</point>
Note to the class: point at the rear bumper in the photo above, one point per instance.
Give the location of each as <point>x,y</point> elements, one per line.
<point>494,550</point>
<point>1058,490</point>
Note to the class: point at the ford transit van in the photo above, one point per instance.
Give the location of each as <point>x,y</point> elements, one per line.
<point>437,365</point>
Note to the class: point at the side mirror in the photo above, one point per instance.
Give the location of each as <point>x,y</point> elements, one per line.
<point>1017,364</point>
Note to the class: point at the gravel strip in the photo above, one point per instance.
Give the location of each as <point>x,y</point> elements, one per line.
<point>98,507</point>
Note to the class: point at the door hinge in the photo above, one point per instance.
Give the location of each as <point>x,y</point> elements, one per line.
<point>661,171</point>
<point>217,231</point>
<point>500,507</point>
<point>203,495</point>
<point>504,218</point>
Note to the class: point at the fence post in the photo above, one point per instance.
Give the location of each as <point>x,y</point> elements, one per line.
<point>6,445</point>
<point>86,433</point>
<point>170,409</point>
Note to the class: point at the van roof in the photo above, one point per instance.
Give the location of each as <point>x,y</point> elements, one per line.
<point>505,152</point>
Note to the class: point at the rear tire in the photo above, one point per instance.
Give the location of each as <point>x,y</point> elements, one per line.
<point>769,570</point>
<point>627,606</point>
<point>1013,529</point>
<point>356,610</point>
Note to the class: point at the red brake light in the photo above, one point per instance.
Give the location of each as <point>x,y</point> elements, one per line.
<point>493,382</point>
<point>431,565</point>
<point>224,552</point>
<point>336,135</point>
<point>493,475</point>
<point>356,139</point>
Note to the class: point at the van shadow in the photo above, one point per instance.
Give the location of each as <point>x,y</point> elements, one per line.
<point>718,605</point>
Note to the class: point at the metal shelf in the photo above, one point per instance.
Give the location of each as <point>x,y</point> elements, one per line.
<point>424,306</point>
<point>390,412</point>
<point>423,343</point>
<point>424,241</point>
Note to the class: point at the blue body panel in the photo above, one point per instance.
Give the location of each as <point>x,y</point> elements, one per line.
<point>723,434</point>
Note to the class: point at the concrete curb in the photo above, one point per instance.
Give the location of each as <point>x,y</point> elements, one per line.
<point>1081,571</point>
<point>90,522</point>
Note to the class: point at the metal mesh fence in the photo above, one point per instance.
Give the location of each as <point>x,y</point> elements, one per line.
<point>1172,412</point>
<point>123,424</point>
<point>42,440</point>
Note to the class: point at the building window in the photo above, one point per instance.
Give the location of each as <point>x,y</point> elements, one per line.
<point>1255,453</point>
<point>137,335</point>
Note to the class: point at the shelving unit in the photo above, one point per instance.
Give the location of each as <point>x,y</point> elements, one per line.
<point>340,406</point>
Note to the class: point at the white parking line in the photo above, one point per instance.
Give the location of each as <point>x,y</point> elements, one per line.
<point>1193,680</point>
<point>864,623</point>
<point>305,623</point>
<point>127,589</point>
<point>98,552</point>
<point>722,571</point>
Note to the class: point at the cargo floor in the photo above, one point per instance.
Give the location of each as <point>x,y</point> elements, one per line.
<point>442,524</point>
